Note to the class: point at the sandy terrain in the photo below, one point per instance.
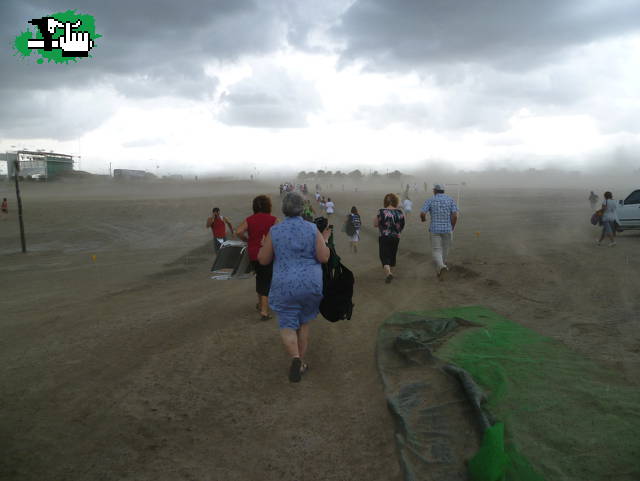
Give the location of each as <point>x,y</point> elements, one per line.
<point>137,366</point>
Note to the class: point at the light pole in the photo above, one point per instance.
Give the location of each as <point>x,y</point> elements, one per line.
<point>16,169</point>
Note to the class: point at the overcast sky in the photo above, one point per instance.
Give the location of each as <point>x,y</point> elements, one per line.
<point>213,86</point>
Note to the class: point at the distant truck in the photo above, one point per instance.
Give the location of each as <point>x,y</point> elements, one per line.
<point>128,174</point>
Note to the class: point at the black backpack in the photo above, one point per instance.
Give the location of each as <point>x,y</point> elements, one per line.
<point>337,289</point>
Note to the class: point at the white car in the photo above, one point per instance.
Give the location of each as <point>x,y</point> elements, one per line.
<point>628,211</point>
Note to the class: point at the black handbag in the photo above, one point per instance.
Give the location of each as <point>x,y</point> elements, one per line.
<point>337,289</point>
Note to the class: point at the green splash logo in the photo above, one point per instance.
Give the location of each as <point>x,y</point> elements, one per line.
<point>60,37</point>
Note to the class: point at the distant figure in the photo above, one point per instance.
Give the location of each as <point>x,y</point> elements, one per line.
<point>4,209</point>
<point>444,215</point>
<point>390,222</point>
<point>593,199</point>
<point>308,213</point>
<point>297,249</point>
<point>317,196</point>
<point>330,207</point>
<point>218,225</point>
<point>253,230</point>
<point>609,219</point>
<point>352,228</point>
<point>425,187</point>
<point>407,205</point>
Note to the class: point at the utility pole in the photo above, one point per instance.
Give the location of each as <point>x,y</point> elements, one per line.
<point>15,174</point>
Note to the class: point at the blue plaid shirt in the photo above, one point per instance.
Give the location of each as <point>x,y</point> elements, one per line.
<point>440,206</point>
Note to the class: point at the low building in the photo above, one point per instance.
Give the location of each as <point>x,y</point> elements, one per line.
<point>38,164</point>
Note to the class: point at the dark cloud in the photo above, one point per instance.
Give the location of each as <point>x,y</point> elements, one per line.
<point>518,34</point>
<point>271,98</point>
<point>56,114</point>
<point>148,49</point>
<point>490,58</point>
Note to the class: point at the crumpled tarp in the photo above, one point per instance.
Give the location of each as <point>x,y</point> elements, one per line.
<point>557,414</point>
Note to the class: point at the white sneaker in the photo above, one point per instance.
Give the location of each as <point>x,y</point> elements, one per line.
<point>611,244</point>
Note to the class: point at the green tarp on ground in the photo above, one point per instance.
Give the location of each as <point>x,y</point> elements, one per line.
<point>565,417</point>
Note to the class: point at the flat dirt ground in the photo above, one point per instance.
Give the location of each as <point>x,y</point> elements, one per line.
<point>134,365</point>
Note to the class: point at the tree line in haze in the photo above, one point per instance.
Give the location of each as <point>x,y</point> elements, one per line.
<point>353,175</point>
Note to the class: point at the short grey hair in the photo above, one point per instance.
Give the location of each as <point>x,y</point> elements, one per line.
<point>292,204</point>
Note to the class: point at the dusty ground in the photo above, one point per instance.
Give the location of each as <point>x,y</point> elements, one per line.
<point>137,366</point>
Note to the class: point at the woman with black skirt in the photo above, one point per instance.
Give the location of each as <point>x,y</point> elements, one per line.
<point>390,222</point>
<point>253,230</point>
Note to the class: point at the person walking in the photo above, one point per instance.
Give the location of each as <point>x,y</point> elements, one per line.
<point>297,250</point>
<point>390,222</point>
<point>330,207</point>
<point>308,212</point>
<point>218,225</point>
<point>444,215</point>
<point>253,230</point>
<point>352,228</point>
<point>593,199</point>
<point>407,205</point>
<point>4,208</point>
<point>609,219</point>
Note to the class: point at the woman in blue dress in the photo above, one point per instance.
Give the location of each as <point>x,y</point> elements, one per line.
<point>297,249</point>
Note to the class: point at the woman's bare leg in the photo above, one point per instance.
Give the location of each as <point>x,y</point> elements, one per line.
<point>303,339</point>
<point>263,301</point>
<point>290,341</point>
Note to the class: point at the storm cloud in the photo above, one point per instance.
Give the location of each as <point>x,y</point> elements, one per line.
<point>522,79</point>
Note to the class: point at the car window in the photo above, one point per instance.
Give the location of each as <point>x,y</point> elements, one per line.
<point>634,198</point>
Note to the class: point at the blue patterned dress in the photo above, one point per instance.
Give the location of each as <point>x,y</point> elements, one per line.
<point>296,285</point>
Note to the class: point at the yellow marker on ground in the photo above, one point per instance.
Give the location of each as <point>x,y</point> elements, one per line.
<point>477,234</point>
<point>93,257</point>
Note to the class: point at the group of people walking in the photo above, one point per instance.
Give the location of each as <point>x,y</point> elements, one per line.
<point>390,222</point>
<point>287,256</point>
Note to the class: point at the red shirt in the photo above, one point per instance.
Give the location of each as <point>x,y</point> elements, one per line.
<point>218,227</point>
<point>258,225</point>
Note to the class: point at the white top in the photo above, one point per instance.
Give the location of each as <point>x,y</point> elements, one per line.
<point>329,205</point>
<point>407,204</point>
<point>609,210</point>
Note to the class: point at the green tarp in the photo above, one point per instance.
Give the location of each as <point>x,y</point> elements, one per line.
<point>560,415</point>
